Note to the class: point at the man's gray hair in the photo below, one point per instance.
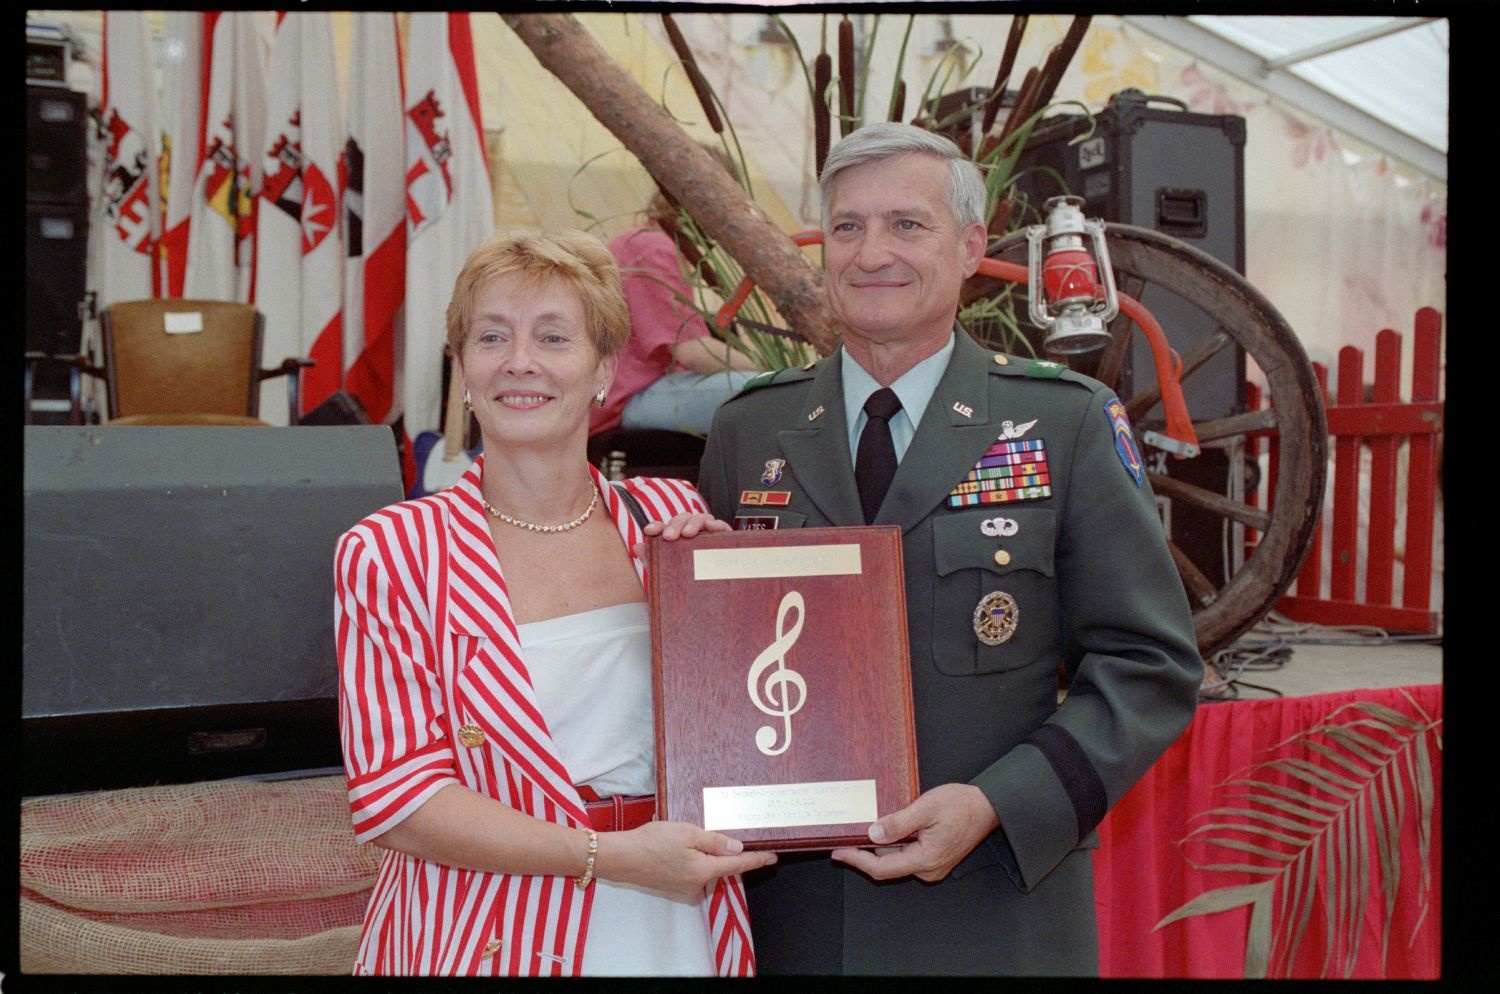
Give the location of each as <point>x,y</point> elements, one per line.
<point>967,197</point>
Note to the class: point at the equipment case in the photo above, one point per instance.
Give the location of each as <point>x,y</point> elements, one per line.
<point>1151,163</point>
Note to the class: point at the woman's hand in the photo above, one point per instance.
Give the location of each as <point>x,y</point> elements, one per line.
<point>681,526</point>
<point>673,857</point>
<point>685,526</point>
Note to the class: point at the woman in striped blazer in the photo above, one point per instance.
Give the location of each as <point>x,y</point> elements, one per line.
<point>494,658</point>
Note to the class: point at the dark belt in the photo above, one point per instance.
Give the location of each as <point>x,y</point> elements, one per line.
<point>618,813</point>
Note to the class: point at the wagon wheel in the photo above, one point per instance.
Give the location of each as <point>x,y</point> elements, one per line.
<point>1148,263</point>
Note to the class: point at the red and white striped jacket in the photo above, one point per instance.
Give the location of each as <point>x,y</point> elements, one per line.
<point>427,643</point>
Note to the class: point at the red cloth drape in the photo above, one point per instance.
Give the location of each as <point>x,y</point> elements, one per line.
<point>1142,874</point>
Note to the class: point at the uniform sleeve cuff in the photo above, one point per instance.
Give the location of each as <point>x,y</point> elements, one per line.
<point>1037,818</point>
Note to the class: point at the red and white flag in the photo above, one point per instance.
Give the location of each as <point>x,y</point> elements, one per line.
<point>450,209</point>
<point>374,217</point>
<point>127,224</point>
<point>300,257</point>
<point>221,242</point>
<point>182,104</point>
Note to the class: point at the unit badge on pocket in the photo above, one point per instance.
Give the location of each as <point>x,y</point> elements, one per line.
<point>996,617</point>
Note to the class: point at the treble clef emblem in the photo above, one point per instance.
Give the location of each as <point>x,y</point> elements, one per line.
<point>775,697</point>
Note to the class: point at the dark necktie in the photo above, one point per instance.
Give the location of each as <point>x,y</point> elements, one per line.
<point>875,458</point>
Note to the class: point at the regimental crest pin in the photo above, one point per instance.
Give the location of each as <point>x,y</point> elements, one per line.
<point>772,475</point>
<point>996,617</point>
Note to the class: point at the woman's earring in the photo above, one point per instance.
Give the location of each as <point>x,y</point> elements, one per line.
<point>468,404</point>
<point>599,397</point>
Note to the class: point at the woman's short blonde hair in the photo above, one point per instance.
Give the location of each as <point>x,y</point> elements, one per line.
<point>580,260</point>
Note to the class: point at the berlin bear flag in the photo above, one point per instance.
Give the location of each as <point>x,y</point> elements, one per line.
<point>127,224</point>
<point>221,230</point>
<point>449,205</point>
<point>300,258</point>
<point>374,217</point>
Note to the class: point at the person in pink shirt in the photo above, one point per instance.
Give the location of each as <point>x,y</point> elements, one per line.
<point>673,372</point>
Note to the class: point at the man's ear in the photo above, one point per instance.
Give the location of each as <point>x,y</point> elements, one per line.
<point>976,237</point>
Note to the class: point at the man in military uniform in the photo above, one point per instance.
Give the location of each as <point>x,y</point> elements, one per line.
<point>1030,539</point>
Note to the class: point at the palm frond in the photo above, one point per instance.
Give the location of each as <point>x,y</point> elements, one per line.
<point>1317,823</point>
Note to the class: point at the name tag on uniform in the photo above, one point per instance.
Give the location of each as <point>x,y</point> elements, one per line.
<point>755,523</point>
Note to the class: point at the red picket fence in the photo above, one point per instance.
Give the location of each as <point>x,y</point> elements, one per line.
<point>1361,503</point>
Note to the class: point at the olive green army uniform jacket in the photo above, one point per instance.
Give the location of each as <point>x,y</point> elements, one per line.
<point>1067,566</point>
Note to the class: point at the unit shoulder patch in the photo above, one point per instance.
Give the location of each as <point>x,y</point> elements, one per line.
<point>1125,447</point>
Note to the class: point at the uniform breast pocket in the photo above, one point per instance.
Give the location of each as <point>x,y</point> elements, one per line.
<point>994,602</point>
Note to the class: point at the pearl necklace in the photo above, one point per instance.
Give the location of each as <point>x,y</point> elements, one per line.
<point>566,526</point>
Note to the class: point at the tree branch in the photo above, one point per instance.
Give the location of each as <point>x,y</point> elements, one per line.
<point>720,206</point>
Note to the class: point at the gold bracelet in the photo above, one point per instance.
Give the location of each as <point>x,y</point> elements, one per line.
<point>588,864</point>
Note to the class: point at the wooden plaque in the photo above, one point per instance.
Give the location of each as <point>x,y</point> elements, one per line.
<point>782,684</point>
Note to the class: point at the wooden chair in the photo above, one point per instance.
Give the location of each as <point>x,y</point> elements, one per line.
<point>178,362</point>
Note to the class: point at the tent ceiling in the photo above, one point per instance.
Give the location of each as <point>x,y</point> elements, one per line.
<point>1383,80</point>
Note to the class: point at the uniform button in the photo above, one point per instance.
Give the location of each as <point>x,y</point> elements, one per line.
<point>471,736</point>
<point>491,948</point>
<point>1000,360</point>
<point>1002,557</point>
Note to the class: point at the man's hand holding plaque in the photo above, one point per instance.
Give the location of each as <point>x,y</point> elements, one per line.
<point>783,691</point>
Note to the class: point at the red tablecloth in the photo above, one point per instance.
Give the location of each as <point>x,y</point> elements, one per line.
<point>1142,867</point>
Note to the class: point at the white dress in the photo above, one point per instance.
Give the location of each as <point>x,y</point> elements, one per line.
<point>592,677</point>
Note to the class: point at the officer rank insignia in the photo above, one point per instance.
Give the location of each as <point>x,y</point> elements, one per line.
<point>1045,369</point>
<point>1009,470</point>
<point>1125,446</point>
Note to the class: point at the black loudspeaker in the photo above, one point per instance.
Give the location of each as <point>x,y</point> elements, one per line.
<point>57,237</point>
<point>178,599</point>
<point>56,146</point>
